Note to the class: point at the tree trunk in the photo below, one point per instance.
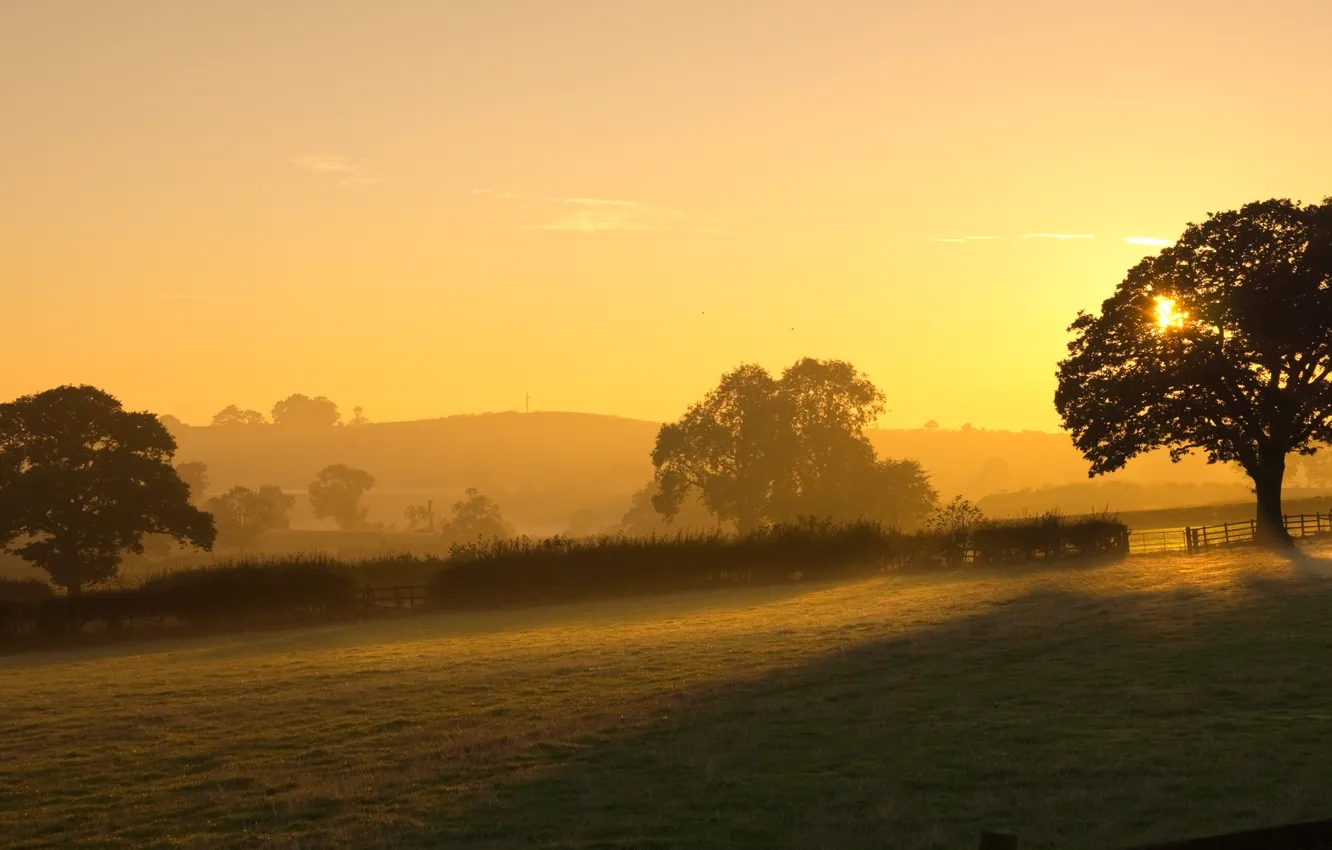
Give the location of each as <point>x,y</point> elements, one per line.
<point>1267,484</point>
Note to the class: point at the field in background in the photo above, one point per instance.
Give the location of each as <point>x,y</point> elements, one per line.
<point>1152,698</point>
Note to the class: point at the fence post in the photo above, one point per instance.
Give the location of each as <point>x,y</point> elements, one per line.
<point>1188,539</point>
<point>998,841</point>
<point>1253,529</point>
<point>1225,528</point>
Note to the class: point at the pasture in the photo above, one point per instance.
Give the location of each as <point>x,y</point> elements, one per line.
<point>1080,706</point>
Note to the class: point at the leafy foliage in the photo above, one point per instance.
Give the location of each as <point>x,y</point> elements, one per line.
<point>1222,344</point>
<point>336,492</point>
<point>82,481</point>
<point>420,517</point>
<point>242,514</point>
<point>195,476</point>
<point>301,411</point>
<point>644,520</point>
<point>476,518</point>
<point>232,416</point>
<point>762,450</point>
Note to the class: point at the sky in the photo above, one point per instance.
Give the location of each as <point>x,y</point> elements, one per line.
<point>430,208</point>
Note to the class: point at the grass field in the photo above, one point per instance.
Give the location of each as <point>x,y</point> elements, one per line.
<point>1079,707</point>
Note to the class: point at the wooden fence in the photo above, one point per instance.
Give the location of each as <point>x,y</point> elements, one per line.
<point>400,598</point>
<point>1307,835</point>
<point>1202,538</point>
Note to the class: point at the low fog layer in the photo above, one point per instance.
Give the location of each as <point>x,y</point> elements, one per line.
<point>553,471</point>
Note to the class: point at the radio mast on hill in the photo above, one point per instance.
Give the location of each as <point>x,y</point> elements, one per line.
<point>529,403</point>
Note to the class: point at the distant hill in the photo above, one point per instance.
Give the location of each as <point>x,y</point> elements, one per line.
<point>544,467</point>
<point>539,466</point>
<point>977,463</point>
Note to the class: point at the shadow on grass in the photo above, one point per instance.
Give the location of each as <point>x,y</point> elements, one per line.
<point>1072,720</point>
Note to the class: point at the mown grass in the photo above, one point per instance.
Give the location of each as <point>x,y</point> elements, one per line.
<point>1077,706</point>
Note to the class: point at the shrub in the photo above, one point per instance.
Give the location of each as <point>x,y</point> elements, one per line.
<point>245,591</point>
<point>1047,537</point>
<point>524,570</point>
<point>19,601</point>
<point>26,590</point>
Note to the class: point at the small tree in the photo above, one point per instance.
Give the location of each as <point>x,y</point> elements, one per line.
<point>195,475</point>
<point>896,493</point>
<point>476,517</point>
<point>1222,343</point>
<point>420,517</point>
<point>301,411</point>
<point>82,481</point>
<point>280,505</point>
<point>954,524</point>
<point>242,514</point>
<point>336,492</point>
<point>644,520</point>
<point>232,416</point>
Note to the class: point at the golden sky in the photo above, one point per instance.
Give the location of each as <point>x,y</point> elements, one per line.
<point>429,208</point>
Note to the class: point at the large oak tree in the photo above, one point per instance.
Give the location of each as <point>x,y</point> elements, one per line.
<point>1221,344</point>
<point>82,481</point>
<point>759,449</point>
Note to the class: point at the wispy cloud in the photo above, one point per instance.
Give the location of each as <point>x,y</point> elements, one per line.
<point>1148,240</point>
<point>1058,236</point>
<point>592,215</point>
<point>350,173</point>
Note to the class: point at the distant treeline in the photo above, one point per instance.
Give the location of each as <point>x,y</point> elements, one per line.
<point>307,589</point>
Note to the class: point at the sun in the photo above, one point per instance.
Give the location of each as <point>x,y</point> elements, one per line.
<point>1167,316</point>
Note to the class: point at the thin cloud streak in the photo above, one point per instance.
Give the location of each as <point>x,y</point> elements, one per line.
<point>352,174</point>
<point>592,215</point>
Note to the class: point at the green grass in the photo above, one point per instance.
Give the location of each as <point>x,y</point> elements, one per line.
<point>1077,706</point>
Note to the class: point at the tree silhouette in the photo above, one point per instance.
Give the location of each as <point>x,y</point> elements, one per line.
<point>1222,343</point>
<point>420,517</point>
<point>195,475</point>
<point>232,416</point>
<point>336,492</point>
<point>476,517</point>
<point>301,411</point>
<point>242,514</point>
<point>759,449</point>
<point>733,447</point>
<point>171,423</point>
<point>82,481</point>
<point>280,505</point>
<point>644,520</point>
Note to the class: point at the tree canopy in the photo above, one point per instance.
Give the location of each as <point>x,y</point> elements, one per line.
<point>301,411</point>
<point>759,449</point>
<point>233,416</point>
<point>476,517</point>
<point>336,492</point>
<point>243,515</point>
<point>82,481</point>
<point>195,475</point>
<point>1222,344</point>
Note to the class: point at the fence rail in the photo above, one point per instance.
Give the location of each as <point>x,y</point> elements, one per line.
<point>1193,539</point>
<point>400,598</point>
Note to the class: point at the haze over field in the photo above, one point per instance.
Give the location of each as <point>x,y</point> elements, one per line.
<point>435,208</point>
<point>546,467</point>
